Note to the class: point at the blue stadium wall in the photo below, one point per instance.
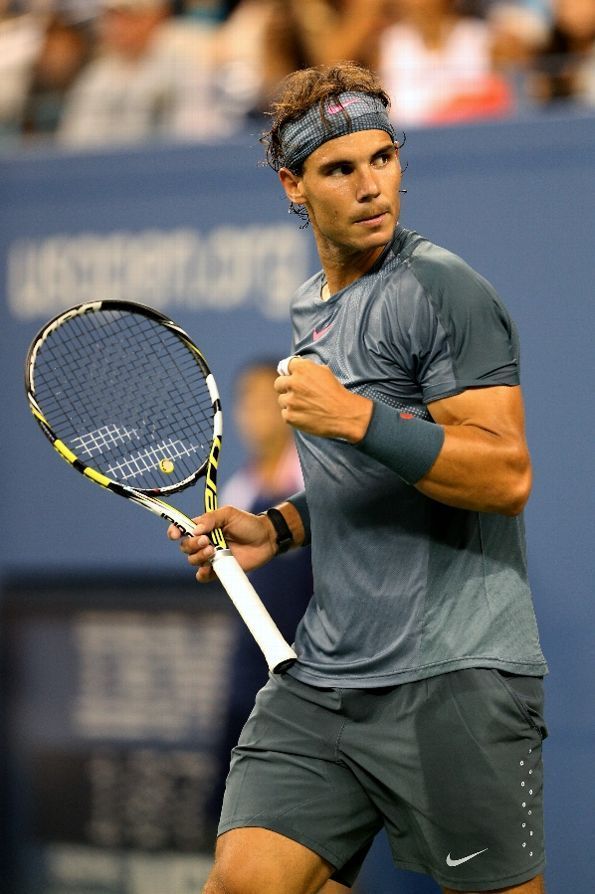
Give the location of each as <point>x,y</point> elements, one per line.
<point>202,232</point>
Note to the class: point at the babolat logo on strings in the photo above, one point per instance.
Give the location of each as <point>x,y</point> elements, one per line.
<point>211,490</point>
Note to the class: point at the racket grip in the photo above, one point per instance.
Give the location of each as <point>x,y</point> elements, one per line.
<point>278,653</point>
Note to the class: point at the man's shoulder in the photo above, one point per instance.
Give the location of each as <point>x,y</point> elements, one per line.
<point>308,290</point>
<point>428,260</point>
<point>443,275</point>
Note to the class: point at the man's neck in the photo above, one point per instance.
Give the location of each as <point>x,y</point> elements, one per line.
<point>341,269</point>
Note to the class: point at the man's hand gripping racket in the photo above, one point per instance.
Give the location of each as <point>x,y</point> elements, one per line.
<point>127,399</point>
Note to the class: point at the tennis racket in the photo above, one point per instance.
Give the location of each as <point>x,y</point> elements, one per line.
<point>127,399</point>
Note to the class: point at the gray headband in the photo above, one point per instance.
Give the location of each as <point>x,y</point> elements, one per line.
<point>343,114</point>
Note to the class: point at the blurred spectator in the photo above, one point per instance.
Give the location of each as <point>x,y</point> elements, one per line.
<point>65,49</point>
<point>519,31</point>
<point>437,66</point>
<point>566,68</point>
<point>330,31</point>
<point>271,472</point>
<point>262,41</point>
<point>203,10</point>
<point>108,72</point>
<point>20,39</point>
<point>151,78</point>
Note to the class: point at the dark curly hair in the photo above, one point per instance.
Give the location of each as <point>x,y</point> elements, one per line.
<point>307,87</point>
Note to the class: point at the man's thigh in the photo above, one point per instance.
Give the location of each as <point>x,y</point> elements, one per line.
<point>458,757</point>
<point>287,776</point>
<point>450,765</point>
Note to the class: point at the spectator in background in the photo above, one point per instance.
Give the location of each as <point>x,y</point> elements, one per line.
<point>271,471</point>
<point>437,65</point>
<point>65,49</point>
<point>565,69</point>
<point>20,38</point>
<point>151,78</point>
<point>262,41</point>
<point>203,10</point>
<point>518,32</point>
<point>330,31</point>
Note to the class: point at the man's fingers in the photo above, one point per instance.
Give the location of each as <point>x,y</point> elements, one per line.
<point>174,533</point>
<point>206,523</point>
<point>283,365</point>
<point>287,368</point>
<point>205,574</point>
<point>197,544</point>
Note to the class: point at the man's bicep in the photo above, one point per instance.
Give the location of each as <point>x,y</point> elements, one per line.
<point>497,409</point>
<point>484,464</point>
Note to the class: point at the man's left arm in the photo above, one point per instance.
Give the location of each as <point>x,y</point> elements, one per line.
<point>473,455</point>
<point>484,462</point>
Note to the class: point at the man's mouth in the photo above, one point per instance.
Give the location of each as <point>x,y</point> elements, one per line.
<point>372,219</point>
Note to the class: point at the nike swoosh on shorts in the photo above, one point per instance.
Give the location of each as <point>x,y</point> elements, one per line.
<point>451,862</point>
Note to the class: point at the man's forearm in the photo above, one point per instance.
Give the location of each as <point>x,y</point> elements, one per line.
<point>480,471</point>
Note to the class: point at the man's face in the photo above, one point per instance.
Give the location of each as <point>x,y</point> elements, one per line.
<point>350,186</point>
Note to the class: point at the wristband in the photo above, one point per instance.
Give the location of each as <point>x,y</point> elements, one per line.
<point>284,535</point>
<point>407,445</point>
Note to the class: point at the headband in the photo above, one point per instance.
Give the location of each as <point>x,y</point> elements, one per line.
<point>343,114</point>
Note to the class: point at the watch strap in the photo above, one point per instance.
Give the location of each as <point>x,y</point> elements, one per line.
<point>284,535</point>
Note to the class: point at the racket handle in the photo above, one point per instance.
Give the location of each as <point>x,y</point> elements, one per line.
<point>278,653</point>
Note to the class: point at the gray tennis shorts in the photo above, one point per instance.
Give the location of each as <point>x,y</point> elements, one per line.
<point>450,766</point>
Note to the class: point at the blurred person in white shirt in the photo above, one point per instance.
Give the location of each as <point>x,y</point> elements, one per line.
<point>151,79</point>
<point>437,65</point>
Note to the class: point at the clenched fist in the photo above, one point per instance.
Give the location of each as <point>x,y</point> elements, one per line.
<point>313,400</point>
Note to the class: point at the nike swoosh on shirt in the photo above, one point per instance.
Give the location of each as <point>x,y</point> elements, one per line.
<point>451,862</point>
<point>318,333</point>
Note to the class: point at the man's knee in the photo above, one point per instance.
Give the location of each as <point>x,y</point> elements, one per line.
<point>237,879</point>
<point>257,861</point>
<point>230,880</point>
<point>214,885</point>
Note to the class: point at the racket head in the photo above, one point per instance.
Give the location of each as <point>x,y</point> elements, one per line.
<point>125,396</point>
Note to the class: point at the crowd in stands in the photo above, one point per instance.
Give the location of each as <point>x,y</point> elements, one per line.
<point>106,72</point>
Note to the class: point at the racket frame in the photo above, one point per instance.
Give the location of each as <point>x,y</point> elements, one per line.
<point>278,653</point>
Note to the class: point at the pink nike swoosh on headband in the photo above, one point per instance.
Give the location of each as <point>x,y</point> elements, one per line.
<point>335,109</point>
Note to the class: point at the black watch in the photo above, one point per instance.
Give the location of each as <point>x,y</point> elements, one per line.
<point>284,535</point>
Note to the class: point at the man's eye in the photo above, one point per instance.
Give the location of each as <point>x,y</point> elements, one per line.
<point>340,171</point>
<point>381,160</point>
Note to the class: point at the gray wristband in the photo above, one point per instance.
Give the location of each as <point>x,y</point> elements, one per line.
<point>407,445</point>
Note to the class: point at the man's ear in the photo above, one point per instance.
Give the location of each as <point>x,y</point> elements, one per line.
<point>292,184</point>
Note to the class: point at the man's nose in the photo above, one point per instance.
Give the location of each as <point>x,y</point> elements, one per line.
<point>367,185</point>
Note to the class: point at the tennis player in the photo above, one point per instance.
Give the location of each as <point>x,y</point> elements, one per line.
<point>416,701</point>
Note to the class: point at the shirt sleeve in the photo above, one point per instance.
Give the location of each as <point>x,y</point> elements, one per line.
<point>459,334</point>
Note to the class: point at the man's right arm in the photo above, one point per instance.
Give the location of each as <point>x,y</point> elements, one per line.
<point>251,538</point>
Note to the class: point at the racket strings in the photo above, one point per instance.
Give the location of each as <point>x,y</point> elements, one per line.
<point>127,394</point>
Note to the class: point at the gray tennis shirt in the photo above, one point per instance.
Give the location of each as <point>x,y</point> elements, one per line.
<point>406,587</point>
